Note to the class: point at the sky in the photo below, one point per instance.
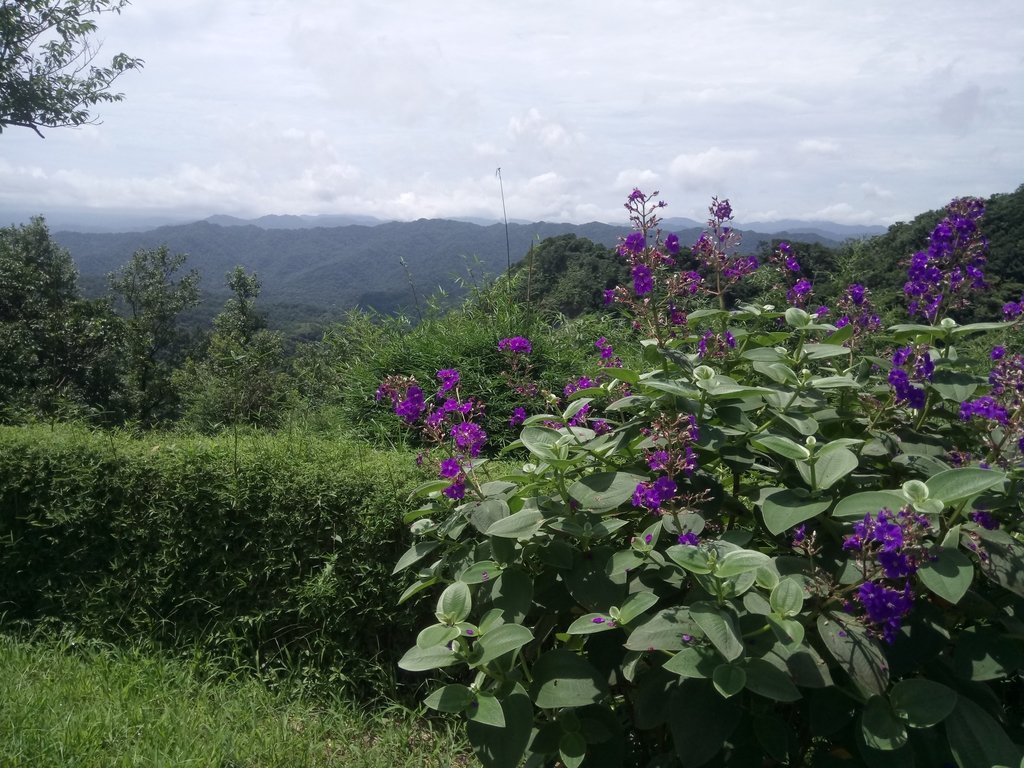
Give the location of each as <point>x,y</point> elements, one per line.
<point>859,113</point>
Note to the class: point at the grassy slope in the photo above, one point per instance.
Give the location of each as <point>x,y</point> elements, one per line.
<point>63,704</point>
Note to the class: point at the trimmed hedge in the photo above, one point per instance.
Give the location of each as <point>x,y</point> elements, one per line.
<point>269,553</point>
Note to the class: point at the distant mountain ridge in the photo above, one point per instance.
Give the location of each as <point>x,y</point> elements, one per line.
<point>385,266</point>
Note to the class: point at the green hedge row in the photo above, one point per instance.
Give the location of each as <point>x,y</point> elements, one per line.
<point>270,553</point>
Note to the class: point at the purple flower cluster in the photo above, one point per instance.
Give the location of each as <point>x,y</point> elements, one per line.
<point>911,366</point>
<point>855,309</point>
<point>941,276</point>
<point>885,607</point>
<point>651,495</point>
<point>517,344</point>
<point>643,280</point>
<point>985,407</point>
<point>713,344</point>
<point>518,416</point>
<point>1013,309</point>
<point>800,293</point>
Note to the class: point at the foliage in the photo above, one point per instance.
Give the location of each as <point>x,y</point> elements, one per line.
<point>147,286</point>
<point>69,701</point>
<point>59,354</point>
<point>47,75</point>
<point>270,555</point>
<point>766,545</point>
<point>240,379</point>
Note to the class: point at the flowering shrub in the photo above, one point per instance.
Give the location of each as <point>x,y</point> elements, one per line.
<point>763,548</point>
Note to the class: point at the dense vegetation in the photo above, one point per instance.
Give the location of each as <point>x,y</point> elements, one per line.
<point>236,495</point>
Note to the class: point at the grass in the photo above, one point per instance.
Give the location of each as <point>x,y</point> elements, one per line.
<point>64,703</point>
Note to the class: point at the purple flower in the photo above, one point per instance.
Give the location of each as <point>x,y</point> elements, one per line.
<point>659,461</point>
<point>672,244</point>
<point>518,416</point>
<point>721,210</point>
<point>998,353</point>
<point>450,468</point>
<point>856,292</point>
<point>643,282</point>
<point>885,606</point>
<point>792,264</point>
<point>652,495</point>
<point>636,195</point>
<point>456,490</point>
<point>449,378</point>
<point>690,538</point>
<point>517,344</point>
<point>634,243</point>
<point>412,406</point>
<point>984,519</point>
<point>609,297</point>
<point>469,437</point>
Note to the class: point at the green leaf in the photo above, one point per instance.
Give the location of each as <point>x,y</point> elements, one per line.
<point>478,573</point>
<point>922,703</point>
<point>856,652</point>
<point>512,593</point>
<point>504,747</point>
<point>572,748</point>
<point>954,386</point>
<point>856,505</point>
<point>636,605</point>
<point>484,514</point>
<point>783,446</point>
<point>450,698</point>
<point>521,525</point>
<point>765,679</point>
<point>414,554</point>
<point>454,604</point>
<point>422,659</point>
<point>962,483</point>
<point>947,573</point>
<point>605,491</point>
<point>789,632</point>
<point>784,508</point>
<point>501,640</point>
<point>880,727</point>
<point>740,561</point>
<point>693,661</point>
<point>976,740</point>
<point>416,587</point>
<point>787,599</point>
<point>591,623</point>
<point>963,330</point>
<point>663,631</point>
<point>832,466</point>
<point>700,722</point>
<point>561,678</point>
<point>692,558</point>
<point>822,351</point>
<point>719,627</point>
<point>729,679</point>
<point>1005,562</point>
<point>436,634</point>
<point>486,710</point>
<point>540,441</point>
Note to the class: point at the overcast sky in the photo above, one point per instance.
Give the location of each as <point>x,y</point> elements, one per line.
<point>856,112</point>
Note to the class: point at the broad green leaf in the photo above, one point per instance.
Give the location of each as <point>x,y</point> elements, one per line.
<point>605,490</point>
<point>976,740</point>
<point>436,634</point>
<point>1005,562</point>
<point>804,425</point>
<point>422,659</point>
<point>855,506</point>
<point>947,573</point>
<point>832,466</point>
<point>835,382</point>
<point>962,483</point>
<point>700,722</point>
<point>450,698</point>
<point>783,509</point>
<point>880,727</point>
<point>512,593</point>
<point>521,525</point>
<point>479,573</point>
<point>561,678</point>
<point>454,604</point>
<point>783,446</point>
<point>789,632</point>
<point>572,748</point>
<point>414,554</point>
<point>822,351</point>
<point>787,599</point>
<point>504,747</point>
<point>765,679</point>
<point>416,587</point>
<point>540,441</point>
<point>692,558</point>
<point>740,561</point>
<point>776,371</point>
<point>486,710</point>
<point>963,330</point>
<point>636,605</point>
<point>502,640</point>
<point>954,386</point>
<point>484,514</point>
<point>763,354</point>
<point>729,679</point>
<point>719,627</point>
<point>575,407</point>
<point>856,652</point>
<point>663,631</point>
<point>591,623</point>
<point>693,661</point>
<point>922,703</point>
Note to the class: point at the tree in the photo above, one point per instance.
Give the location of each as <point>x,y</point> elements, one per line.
<point>47,75</point>
<point>241,378</point>
<point>153,299</point>
<point>58,352</point>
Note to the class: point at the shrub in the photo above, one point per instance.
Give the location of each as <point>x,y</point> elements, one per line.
<point>271,554</point>
<point>763,546</point>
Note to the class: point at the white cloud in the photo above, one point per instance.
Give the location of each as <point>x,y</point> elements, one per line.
<point>818,147</point>
<point>711,167</point>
